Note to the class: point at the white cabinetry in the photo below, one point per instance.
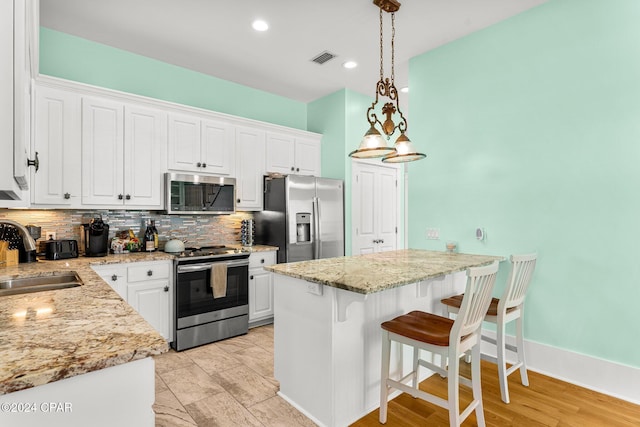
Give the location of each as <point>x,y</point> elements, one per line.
<point>374,207</point>
<point>289,154</point>
<point>250,153</point>
<point>147,287</point>
<point>204,146</point>
<point>15,67</point>
<point>123,154</point>
<point>260,288</point>
<point>58,144</point>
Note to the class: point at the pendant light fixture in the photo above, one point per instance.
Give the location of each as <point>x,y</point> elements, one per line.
<point>373,143</point>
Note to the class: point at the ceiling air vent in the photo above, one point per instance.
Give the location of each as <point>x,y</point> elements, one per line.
<point>323,57</point>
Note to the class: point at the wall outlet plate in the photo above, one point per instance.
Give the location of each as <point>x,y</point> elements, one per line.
<point>49,235</point>
<point>433,234</point>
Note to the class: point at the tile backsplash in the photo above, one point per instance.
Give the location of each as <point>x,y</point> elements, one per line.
<point>196,230</point>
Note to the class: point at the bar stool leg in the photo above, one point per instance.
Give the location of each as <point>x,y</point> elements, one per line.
<point>453,381</point>
<point>476,384</point>
<point>384,388</point>
<point>520,351</point>
<point>501,353</point>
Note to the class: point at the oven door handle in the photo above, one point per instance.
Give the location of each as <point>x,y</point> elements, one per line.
<point>201,267</point>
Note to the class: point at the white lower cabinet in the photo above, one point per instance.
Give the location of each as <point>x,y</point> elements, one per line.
<point>260,288</point>
<point>147,287</point>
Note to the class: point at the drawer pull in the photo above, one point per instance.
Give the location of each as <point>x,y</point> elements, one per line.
<point>150,273</point>
<point>166,289</point>
<point>114,278</point>
<point>262,261</point>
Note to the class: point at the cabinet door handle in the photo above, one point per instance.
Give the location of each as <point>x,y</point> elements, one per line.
<point>35,162</point>
<point>292,168</point>
<point>120,196</point>
<point>150,273</point>
<point>204,165</point>
<point>251,277</point>
<point>166,289</point>
<point>67,196</point>
<point>199,164</point>
<point>381,241</point>
<point>262,261</point>
<point>297,169</point>
<point>114,278</point>
<point>238,201</point>
<point>128,197</point>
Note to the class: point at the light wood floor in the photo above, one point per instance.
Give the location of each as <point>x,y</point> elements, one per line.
<point>546,402</point>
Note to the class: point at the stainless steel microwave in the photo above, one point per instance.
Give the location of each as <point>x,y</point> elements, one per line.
<point>199,194</point>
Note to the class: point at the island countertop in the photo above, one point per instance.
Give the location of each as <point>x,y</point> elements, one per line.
<point>51,335</point>
<point>376,272</point>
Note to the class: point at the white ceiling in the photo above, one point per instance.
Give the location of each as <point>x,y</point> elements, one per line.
<point>215,37</point>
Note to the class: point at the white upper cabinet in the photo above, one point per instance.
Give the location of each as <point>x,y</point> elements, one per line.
<point>250,153</point>
<point>203,146</point>
<point>122,154</point>
<point>57,141</point>
<point>289,154</point>
<point>144,156</point>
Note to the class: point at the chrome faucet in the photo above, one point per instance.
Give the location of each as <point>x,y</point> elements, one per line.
<point>27,240</point>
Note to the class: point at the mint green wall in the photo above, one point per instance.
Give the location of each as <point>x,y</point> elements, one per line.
<point>73,58</point>
<point>533,130</point>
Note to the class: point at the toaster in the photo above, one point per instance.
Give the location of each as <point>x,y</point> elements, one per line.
<point>61,249</point>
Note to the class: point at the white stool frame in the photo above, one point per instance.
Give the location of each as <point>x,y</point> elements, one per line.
<point>480,282</point>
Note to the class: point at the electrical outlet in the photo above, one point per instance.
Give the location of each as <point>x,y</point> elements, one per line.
<point>433,234</point>
<point>50,235</point>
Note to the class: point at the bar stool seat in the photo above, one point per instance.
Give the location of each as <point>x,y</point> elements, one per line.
<point>446,337</point>
<point>456,301</point>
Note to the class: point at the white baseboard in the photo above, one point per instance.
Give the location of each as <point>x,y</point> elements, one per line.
<point>614,379</point>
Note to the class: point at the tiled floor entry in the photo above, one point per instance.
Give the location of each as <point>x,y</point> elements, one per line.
<point>227,383</point>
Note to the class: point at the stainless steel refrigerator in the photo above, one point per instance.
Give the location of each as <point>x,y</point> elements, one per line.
<point>303,216</point>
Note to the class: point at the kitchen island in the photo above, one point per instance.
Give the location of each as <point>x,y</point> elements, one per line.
<point>327,319</point>
<point>78,356</point>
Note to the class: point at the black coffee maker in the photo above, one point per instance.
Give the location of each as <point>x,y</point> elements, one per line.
<point>96,238</point>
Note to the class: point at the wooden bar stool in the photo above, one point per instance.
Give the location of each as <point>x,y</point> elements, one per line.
<point>449,338</point>
<point>502,311</point>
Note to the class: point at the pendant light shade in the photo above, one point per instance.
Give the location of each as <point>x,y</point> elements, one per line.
<point>372,145</point>
<point>405,152</point>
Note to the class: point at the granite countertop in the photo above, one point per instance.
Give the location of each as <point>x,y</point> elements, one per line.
<point>51,335</point>
<point>370,273</point>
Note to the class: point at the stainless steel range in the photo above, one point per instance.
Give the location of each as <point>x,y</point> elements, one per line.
<point>211,295</point>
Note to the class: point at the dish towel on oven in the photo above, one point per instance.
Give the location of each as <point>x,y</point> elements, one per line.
<point>219,280</point>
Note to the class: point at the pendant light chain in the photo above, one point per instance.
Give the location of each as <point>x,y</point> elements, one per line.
<point>381,51</point>
<point>393,51</point>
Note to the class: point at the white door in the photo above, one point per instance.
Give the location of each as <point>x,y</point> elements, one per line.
<point>217,148</point>
<point>280,154</point>
<point>58,144</point>
<point>375,205</point>
<point>250,164</point>
<point>151,300</point>
<point>144,148</point>
<point>307,157</point>
<point>184,143</point>
<point>102,152</point>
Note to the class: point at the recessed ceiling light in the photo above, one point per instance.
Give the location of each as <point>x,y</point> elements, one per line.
<point>350,64</point>
<point>404,89</point>
<point>260,25</point>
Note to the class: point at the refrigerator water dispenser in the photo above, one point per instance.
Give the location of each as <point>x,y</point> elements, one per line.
<point>303,227</point>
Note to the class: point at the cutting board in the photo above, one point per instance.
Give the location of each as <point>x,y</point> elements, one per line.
<point>3,253</point>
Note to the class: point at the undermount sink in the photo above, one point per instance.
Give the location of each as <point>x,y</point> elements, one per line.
<point>25,285</point>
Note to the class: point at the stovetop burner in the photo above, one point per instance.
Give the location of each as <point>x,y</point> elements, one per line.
<point>211,252</point>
